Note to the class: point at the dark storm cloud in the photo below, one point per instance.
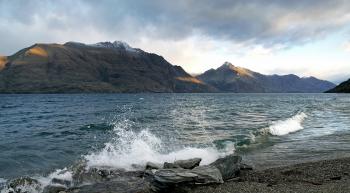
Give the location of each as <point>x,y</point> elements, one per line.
<point>274,22</point>
<point>264,22</point>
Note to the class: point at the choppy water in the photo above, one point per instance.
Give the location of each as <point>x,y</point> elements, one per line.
<point>41,134</point>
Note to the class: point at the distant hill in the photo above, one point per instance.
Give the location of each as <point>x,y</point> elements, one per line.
<point>343,87</point>
<point>230,78</point>
<point>102,67</point>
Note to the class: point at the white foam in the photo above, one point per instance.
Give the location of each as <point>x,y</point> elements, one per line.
<point>129,148</point>
<point>2,183</point>
<point>61,174</point>
<point>287,126</point>
<point>26,187</point>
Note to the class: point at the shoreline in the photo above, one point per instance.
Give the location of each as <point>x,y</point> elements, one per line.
<point>225,175</point>
<point>317,176</point>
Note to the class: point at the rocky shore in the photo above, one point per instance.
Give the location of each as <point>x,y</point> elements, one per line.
<point>226,174</point>
<point>325,176</point>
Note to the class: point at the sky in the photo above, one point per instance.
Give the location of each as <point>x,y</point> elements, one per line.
<point>305,37</point>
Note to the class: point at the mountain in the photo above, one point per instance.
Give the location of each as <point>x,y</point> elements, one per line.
<point>103,67</point>
<point>343,87</point>
<point>230,78</point>
<point>3,60</point>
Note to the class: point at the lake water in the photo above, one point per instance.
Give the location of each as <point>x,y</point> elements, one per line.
<point>43,134</point>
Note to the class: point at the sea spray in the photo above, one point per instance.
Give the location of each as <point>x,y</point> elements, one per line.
<point>37,184</point>
<point>129,148</point>
<point>277,128</point>
<point>287,126</point>
<point>60,174</point>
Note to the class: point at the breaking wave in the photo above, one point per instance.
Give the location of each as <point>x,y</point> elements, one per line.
<point>284,127</point>
<point>40,182</point>
<point>130,148</point>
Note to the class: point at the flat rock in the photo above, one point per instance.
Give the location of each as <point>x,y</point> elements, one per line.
<point>152,165</point>
<point>189,163</point>
<point>168,165</point>
<point>54,189</point>
<point>208,175</point>
<point>168,178</point>
<point>229,166</point>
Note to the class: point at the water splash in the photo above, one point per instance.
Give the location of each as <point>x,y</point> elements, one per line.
<point>39,182</point>
<point>129,148</point>
<point>284,127</point>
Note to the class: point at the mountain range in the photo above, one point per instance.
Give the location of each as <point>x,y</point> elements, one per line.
<point>230,78</point>
<point>116,67</point>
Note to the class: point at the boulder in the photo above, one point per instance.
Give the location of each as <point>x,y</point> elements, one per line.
<point>208,175</point>
<point>170,165</point>
<point>90,176</point>
<point>229,166</point>
<point>174,176</point>
<point>165,179</point>
<point>151,165</point>
<point>189,163</point>
<point>82,175</point>
<point>26,183</point>
<point>54,189</point>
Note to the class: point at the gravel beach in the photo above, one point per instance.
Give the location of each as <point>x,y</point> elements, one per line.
<point>328,176</point>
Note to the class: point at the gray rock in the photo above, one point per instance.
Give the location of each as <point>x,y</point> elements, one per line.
<point>17,184</point>
<point>170,165</point>
<point>165,179</point>
<point>208,175</point>
<point>229,166</point>
<point>61,182</point>
<point>188,164</point>
<point>89,176</point>
<point>93,175</point>
<point>54,189</point>
<point>151,165</point>
<point>174,176</point>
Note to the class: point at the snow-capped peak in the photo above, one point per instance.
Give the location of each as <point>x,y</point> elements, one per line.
<point>115,45</point>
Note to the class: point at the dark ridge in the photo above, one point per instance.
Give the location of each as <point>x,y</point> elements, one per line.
<point>343,87</point>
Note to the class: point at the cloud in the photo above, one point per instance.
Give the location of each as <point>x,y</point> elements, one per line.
<point>266,23</point>
<point>346,46</point>
<point>196,34</point>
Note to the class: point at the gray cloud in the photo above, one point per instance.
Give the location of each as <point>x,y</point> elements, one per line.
<point>269,23</point>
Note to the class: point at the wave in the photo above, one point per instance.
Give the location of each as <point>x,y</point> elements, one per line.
<point>284,127</point>
<point>260,137</point>
<point>129,149</point>
<point>42,182</point>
